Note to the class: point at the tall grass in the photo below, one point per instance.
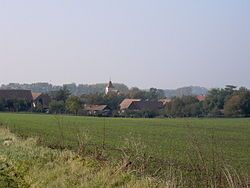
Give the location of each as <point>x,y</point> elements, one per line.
<point>26,164</point>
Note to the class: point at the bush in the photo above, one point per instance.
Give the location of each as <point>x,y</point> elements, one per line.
<point>57,107</point>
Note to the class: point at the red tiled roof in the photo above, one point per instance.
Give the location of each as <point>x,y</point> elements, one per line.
<point>35,95</point>
<point>201,97</point>
<point>127,102</point>
<point>138,104</point>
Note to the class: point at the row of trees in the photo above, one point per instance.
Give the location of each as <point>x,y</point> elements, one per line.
<point>230,102</point>
<point>64,102</point>
<point>14,105</point>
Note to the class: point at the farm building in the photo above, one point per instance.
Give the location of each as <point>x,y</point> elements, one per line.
<point>164,102</point>
<point>24,97</point>
<point>139,105</point>
<point>97,110</point>
<point>128,103</point>
<point>41,98</point>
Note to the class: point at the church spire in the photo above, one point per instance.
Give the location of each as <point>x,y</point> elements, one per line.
<point>110,87</point>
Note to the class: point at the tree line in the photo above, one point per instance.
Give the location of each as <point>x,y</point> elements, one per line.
<point>220,102</point>
<point>63,102</point>
<point>228,102</point>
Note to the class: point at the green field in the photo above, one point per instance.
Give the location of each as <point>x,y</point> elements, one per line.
<point>164,138</point>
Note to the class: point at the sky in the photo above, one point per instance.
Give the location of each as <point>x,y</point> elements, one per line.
<point>143,43</point>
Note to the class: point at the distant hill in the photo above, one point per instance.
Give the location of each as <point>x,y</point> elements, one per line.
<point>99,88</point>
<point>94,88</point>
<point>186,91</point>
<point>74,89</point>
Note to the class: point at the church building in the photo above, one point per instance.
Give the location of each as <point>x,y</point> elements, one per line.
<point>110,88</point>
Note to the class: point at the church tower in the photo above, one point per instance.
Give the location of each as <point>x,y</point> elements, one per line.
<point>110,88</point>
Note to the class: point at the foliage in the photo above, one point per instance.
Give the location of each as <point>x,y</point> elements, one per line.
<point>61,95</point>
<point>2,105</point>
<point>238,104</point>
<point>216,99</point>
<point>73,104</point>
<point>112,100</point>
<point>232,106</point>
<point>14,105</point>
<point>187,106</point>
<point>57,107</point>
<point>244,95</point>
<point>228,101</point>
<point>152,94</point>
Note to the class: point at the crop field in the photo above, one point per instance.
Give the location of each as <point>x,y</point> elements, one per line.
<point>163,138</point>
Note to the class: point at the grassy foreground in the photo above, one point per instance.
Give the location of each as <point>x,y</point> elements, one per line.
<point>173,152</point>
<point>164,138</point>
<point>24,164</point>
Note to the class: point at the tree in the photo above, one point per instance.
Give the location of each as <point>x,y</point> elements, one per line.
<point>93,98</point>
<point>216,98</point>
<point>244,94</point>
<point>186,106</point>
<point>136,93</point>
<point>174,108</point>
<point>61,95</point>
<point>113,100</point>
<point>2,105</point>
<point>233,106</point>
<point>152,94</point>
<point>238,103</point>
<point>57,107</point>
<point>73,104</point>
<point>155,94</point>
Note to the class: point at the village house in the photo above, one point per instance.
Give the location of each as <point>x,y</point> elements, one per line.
<point>97,110</point>
<point>16,95</point>
<point>41,99</point>
<point>164,102</point>
<point>10,97</point>
<point>127,104</point>
<point>139,105</point>
<point>201,98</point>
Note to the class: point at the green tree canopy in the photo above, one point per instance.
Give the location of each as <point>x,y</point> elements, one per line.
<point>73,104</point>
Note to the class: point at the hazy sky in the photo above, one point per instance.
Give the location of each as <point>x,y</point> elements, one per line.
<point>144,43</point>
